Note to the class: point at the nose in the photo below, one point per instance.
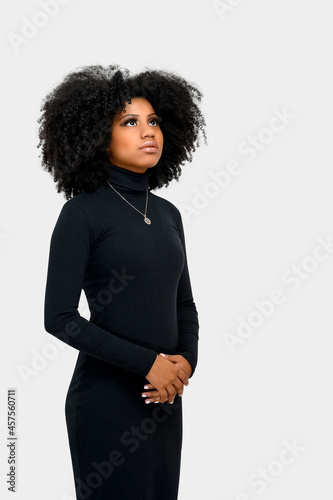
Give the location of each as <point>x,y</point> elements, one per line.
<point>147,131</point>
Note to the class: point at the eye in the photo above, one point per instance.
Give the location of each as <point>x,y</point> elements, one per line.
<point>157,121</point>
<point>130,120</point>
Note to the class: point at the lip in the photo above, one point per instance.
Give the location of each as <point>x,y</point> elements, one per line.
<point>150,145</point>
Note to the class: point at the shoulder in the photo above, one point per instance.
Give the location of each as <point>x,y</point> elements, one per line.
<point>84,209</point>
<point>88,200</point>
<point>87,203</point>
<point>166,205</point>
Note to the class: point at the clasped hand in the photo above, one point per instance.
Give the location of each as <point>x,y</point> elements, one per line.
<point>167,377</point>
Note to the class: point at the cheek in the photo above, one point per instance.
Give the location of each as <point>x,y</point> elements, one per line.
<point>120,141</point>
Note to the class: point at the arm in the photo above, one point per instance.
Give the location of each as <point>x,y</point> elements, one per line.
<point>71,242</point>
<point>188,324</point>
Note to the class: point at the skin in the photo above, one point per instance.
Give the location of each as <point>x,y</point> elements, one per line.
<point>129,133</point>
<point>184,371</point>
<point>169,373</point>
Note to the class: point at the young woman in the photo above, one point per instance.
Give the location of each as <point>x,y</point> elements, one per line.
<point>109,139</point>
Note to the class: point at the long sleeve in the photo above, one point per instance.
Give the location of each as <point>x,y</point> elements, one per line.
<point>70,247</point>
<point>187,316</point>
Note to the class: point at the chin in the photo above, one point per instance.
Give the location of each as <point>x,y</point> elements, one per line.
<point>150,165</point>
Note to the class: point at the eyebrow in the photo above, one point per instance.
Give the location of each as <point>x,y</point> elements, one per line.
<point>151,114</point>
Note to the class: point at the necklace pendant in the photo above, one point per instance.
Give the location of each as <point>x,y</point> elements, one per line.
<point>147,221</point>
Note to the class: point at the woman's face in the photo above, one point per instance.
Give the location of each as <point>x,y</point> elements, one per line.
<point>130,131</point>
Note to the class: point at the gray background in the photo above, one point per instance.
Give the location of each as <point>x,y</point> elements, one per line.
<point>247,238</point>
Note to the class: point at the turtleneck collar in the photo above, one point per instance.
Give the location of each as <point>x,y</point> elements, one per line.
<point>127,181</point>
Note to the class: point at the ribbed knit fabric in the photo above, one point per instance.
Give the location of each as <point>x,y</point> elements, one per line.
<point>136,281</point>
<point>135,276</point>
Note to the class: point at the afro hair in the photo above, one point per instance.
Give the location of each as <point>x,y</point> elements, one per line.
<point>76,124</point>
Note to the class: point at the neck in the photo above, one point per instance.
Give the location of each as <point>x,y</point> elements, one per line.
<point>127,181</point>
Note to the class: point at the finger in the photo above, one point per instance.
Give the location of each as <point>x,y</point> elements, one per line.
<point>157,400</point>
<point>150,394</point>
<point>178,384</point>
<point>153,400</point>
<point>169,357</point>
<point>164,395</point>
<point>148,386</point>
<point>172,392</point>
<point>179,388</point>
<point>182,376</point>
<point>164,355</point>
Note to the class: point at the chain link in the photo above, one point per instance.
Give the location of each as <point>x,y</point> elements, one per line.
<point>145,216</point>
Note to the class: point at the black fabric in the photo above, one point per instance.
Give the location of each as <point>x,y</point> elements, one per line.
<point>136,281</point>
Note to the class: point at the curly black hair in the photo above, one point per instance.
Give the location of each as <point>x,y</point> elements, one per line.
<point>76,124</point>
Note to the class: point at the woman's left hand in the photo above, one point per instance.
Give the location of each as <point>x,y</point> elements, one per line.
<point>152,395</point>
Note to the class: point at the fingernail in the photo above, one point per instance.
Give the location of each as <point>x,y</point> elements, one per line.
<point>156,401</point>
<point>146,387</point>
<point>162,354</point>
<point>147,401</point>
<point>144,395</point>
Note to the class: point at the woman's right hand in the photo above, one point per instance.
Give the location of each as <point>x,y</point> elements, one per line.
<point>167,378</point>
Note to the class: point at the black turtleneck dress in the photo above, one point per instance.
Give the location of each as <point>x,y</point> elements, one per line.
<point>136,281</point>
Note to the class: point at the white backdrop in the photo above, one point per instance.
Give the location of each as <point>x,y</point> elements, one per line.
<point>257,209</point>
